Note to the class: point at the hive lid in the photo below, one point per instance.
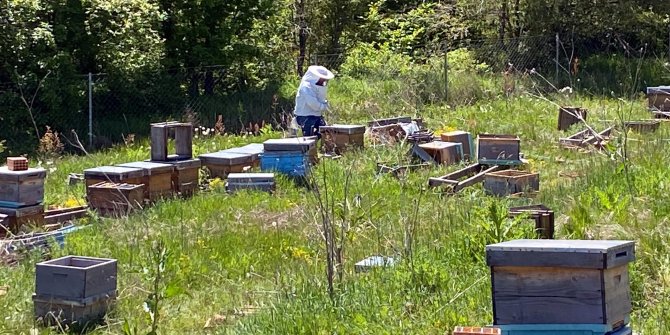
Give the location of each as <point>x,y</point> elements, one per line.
<point>181,164</point>
<point>9,175</point>
<point>253,148</point>
<point>439,145</point>
<point>250,177</point>
<point>290,144</point>
<point>226,158</point>
<point>658,89</point>
<point>455,133</point>
<point>601,254</point>
<point>117,171</point>
<point>345,128</point>
<point>149,167</point>
<point>499,137</point>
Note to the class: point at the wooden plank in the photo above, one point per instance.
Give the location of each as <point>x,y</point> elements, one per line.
<point>474,168</point>
<point>159,141</point>
<point>520,281</point>
<point>476,178</point>
<point>547,310</point>
<point>65,216</point>
<point>618,305</point>
<point>184,141</point>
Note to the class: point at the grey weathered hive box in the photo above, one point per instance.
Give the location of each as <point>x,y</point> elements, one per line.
<point>344,128</point>
<point>659,98</point>
<point>75,277</point>
<point>254,149</point>
<point>225,158</point>
<point>255,181</point>
<point>150,168</point>
<point>21,188</point>
<point>561,282</point>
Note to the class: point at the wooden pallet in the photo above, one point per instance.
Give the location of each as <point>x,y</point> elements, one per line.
<point>473,174</point>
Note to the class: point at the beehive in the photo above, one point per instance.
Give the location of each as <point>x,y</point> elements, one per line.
<point>114,174</point>
<point>462,137</point>
<point>74,289</point>
<point>253,149</point>
<point>251,181</point>
<point>186,176</point>
<point>115,198</point>
<point>498,149</point>
<point>506,182</point>
<point>157,179</point>
<point>338,138</point>
<point>537,282</point>
<point>16,218</point>
<point>659,98</point>
<point>291,163</point>
<point>21,188</point>
<point>298,144</point>
<point>221,163</point>
<point>568,116</point>
<point>444,152</point>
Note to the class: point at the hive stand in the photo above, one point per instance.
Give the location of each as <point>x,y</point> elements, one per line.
<point>183,136</point>
<point>543,216</point>
<point>586,138</point>
<point>473,174</point>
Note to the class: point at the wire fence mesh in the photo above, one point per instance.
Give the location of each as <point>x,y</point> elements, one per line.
<point>103,109</point>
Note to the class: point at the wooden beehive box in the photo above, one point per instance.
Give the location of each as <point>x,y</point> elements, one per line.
<point>251,181</point>
<point>446,153</point>
<point>495,149</point>
<point>561,282</point>
<point>300,144</point>
<point>75,277</point>
<point>338,138</point>
<point>568,116</point>
<point>291,163</point>
<point>462,137</point>
<point>74,289</point>
<point>157,179</point>
<point>506,182</point>
<point>16,218</point>
<point>21,188</point>
<point>183,137</point>
<point>115,198</point>
<point>221,163</point>
<point>659,98</point>
<point>186,176</point>
<point>113,174</point>
<point>643,126</point>
<point>17,163</point>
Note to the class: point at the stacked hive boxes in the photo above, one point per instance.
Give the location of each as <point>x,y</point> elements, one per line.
<point>561,287</point>
<point>290,156</point>
<point>21,195</point>
<point>73,290</point>
<point>114,189</point>
<point>185,176</point>
<point>339,137</point>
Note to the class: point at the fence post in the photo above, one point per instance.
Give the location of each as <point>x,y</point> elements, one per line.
<point>446,73</point>
<point>558,41</point>
<point>669,43</point>
<point>90,110</point>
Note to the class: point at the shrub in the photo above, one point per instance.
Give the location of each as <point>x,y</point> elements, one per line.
<point>379,62</point>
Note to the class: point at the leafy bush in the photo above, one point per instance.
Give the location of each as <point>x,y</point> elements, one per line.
<point>380,62</point>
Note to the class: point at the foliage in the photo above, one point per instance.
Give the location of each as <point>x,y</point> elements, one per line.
<point>368,61</point>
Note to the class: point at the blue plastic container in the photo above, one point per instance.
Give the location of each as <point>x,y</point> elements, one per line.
<point>562,329</point>
<point>292,163</point>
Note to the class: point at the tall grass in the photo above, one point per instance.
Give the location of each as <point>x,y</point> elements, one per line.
<point>253,263</point>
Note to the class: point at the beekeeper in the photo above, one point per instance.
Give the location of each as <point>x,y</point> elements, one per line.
<point>310,101</point>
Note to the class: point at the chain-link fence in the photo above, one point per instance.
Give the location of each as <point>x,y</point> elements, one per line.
<point>102,109</point>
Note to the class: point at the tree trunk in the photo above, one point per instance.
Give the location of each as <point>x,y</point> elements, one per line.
<point>209,82</point>
<point>504,18</point>
<point>302,35</point>
<point>194,85</point>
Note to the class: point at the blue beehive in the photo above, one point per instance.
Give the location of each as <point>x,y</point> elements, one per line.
<point>292,163</point>
<point>562,329</point>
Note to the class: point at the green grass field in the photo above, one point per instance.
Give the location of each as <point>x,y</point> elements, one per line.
<point>253,263</point>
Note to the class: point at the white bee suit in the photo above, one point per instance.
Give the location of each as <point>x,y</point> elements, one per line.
<point>311,98</point>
